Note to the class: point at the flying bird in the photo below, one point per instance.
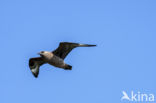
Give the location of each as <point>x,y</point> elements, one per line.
<point>55,58</point>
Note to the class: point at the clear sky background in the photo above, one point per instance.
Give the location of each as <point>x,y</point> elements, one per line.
<point>125,58</point>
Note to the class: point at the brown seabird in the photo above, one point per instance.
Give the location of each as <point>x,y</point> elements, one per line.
<point>55,58</point>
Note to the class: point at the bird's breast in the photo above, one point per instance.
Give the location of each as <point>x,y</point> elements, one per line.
<point>55,61</point>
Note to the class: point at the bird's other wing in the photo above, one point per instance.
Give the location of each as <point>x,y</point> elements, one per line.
<point>65,47</point>
<point>34,64</point>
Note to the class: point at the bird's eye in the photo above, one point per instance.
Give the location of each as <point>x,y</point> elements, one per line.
<point>42,51</point>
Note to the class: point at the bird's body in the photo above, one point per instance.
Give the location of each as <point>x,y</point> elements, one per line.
<point>55,58</point>
<point>52,59</point>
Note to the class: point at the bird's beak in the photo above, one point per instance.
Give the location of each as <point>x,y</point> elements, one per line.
<point>38,53</point>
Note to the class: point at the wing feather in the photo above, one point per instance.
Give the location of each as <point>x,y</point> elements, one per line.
<point>66,47</point>
<point>34,64</point>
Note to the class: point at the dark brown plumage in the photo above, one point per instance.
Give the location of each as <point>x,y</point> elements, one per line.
<point>55,58</point>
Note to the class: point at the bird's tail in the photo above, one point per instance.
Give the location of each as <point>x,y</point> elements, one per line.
<point>68,67</point>
<point>85,45</point>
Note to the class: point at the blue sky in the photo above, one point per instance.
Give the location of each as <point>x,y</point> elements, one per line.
<point>125,58</point>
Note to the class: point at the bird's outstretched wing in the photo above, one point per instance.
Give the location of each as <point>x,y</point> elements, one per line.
<point>34,64</point>
<point>65,47</point>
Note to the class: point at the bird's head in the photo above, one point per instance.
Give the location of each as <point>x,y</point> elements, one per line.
<point>44,53</point>
<point>41,52</point>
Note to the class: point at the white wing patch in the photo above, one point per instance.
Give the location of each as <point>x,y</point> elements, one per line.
<point>35,69</point>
